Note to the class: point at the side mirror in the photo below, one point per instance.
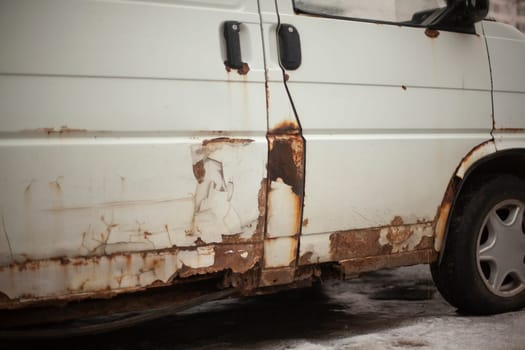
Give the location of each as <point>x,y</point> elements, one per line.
<point>459,14</point>
<point>476,10</point>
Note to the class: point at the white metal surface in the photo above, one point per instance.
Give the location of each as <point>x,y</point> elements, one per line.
<point>506,47</point>
<point>122,131</point>
<point>387,113</point>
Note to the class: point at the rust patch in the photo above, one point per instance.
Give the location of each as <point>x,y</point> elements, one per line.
<point>238,258</point>
<point>397,221</point>
<point>228,69</point>
<point>198,171</point>
<point>221,140</point>
<point>305,259</point>
<point>399,235</point>
<point>130,271</point>
<point>261,222</point>
<point>285,162</point>
<point>278,276</point>
<point>380,241</point>
<point>244,70</point>
<point>511,130</point>
<point>443,212</point>
<point>432,33</point>
<point>62,131</point>
<point>356,243</point>
<point>286,77</point>
<point>286,127</point>
<point>353,267</point>
<point>305,222</point>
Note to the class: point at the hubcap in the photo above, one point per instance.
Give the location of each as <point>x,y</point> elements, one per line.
<point>501,249</point>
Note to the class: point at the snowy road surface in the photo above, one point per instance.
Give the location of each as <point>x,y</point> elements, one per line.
<point>389,309</point>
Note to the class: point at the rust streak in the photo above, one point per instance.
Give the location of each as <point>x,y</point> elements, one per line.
<point>228,140</point>
<point>511,130</point>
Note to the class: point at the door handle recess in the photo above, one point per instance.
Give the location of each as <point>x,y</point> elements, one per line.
<point>233,44</point>
<point>289,47</point>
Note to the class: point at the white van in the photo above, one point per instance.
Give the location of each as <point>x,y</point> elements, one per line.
<point>264,144</point>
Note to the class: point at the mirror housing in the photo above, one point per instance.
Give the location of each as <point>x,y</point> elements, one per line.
<point>475,10</point>
<point>459,14</point>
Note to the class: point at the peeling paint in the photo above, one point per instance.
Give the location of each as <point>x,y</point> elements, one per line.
<point>82,277</point>
<point>406,237</point>
<point>214,215</point>
<point>480,151</point>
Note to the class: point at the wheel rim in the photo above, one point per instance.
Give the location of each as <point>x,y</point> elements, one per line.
<point>501,249</point>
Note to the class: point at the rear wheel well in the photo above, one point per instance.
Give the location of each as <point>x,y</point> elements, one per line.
<point>511,162</point>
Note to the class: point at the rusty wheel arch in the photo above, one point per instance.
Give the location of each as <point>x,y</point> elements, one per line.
<point>497,163</point>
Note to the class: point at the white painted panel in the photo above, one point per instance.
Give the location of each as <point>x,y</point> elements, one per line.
<point>387,113</point>
<point>366,180</point>
<point>124,39</point>
<point>131,105</point>
<point>106,110</point>
<point>90,196</point>
<point>506,47</point>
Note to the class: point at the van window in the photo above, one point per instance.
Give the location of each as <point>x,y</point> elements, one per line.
<point>390,11</point>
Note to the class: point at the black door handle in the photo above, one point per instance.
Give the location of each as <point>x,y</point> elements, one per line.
<point>233,44</point>
<point>289,47</point>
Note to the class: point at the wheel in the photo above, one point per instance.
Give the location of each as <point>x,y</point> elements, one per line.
<point>482,270</point>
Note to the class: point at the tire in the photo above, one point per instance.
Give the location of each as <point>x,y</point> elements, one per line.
<point>482,270</point>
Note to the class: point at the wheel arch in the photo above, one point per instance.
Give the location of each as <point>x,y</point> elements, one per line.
<point>480,163</point>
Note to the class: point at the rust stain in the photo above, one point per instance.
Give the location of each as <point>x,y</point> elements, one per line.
<point>55,185</point>
<point>397,221</point>
<point>432,33</point>
<point>199,171</point>
<point>353,267</point>
<point>244,70</point>
<point>305,222</point>
<point>511,130</point>
<point>62,131</point>
<point>443,212</point>
<point>227,140</point>
<point>228,69</point>
<point>286,77</point>
<point>261,221</point>
<point>286,127</point>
